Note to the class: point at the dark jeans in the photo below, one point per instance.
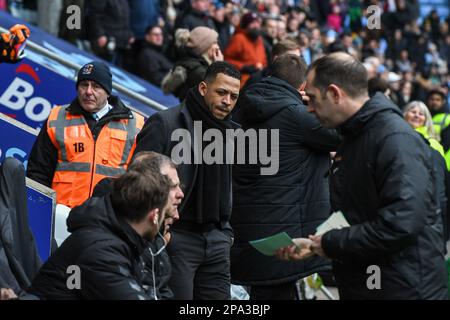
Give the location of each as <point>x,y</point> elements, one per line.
<point>200,265</point>
<point>285,291</point>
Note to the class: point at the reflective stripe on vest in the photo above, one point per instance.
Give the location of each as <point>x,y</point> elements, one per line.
<point>83,162</point>
<point>440,122</point>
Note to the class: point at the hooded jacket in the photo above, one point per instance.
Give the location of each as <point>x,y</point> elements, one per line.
<point>295,199</point>
<point>107,251</point>
<point>383,181</point>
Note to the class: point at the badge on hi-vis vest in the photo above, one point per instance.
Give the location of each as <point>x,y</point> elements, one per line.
<point>87,69</point>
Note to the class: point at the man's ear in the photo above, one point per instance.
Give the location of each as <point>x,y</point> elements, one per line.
<point>154,216</point>
<point>202,88</point>
<point>335,92</point>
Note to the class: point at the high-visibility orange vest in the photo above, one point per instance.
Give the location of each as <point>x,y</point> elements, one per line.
<point>83,162</point>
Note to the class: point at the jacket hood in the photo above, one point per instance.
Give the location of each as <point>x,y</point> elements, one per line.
<point>98,212</point>
<point>378,103</point>
<point>263,100</point>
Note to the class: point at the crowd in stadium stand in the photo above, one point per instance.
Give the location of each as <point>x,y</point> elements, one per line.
<point>408,53</point>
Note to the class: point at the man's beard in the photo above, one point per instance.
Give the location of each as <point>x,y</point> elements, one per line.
<point>253,34</point>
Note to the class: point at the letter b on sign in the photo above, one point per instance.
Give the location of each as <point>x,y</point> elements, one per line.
<point>74,280</point>
<point>374,280</point>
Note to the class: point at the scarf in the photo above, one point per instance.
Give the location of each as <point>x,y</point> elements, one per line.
<point>211,196</point>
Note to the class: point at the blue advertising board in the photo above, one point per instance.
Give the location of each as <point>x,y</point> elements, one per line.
<point>17,139</point>
<point>41,203</point>
<point>57,84</point>
<point>28,92</point>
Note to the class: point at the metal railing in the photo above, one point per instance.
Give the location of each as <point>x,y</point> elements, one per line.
<point>139,97</point>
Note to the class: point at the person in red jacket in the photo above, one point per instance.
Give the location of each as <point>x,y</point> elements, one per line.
<point>246,48</point>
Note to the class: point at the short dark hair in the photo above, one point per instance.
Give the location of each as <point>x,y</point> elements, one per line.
<point>137,192</point>
<point>290,68</point>
<point>284,46</point>
<point>438,92</point>
<point>221,67</point>
<point>377,84</point>
<point>342,70</point>
<point>151,27</point>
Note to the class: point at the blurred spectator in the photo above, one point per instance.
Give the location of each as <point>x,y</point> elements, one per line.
<point>286,46</point>
<point>432,23</point>
<point>246,49</point>
<point>378,84</point>
<point>196,16</point>
<point>436,103</point>
<point>405,94</point>
<point>269,34</point>
<point>143,13</point>
<point>293,27</point>
<point>305,50</point>
<point>108,29</point>
<point>281,30</point>
<point>71,35</point>
<point>152,62</point>
<point>403,64</point>
<point>48,14</point>
<point>334,19</point>
<point>222,24</point>
<point>197,50</point>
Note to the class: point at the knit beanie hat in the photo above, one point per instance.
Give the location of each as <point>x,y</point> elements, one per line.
<point>248,18</point>
<point>98,72</point>
<point>201,38</point>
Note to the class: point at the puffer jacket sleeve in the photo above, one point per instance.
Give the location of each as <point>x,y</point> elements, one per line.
<point>313,134</point>
<point>107,273</point>
<point>404,187</point>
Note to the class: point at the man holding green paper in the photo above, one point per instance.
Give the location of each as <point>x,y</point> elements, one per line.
<point>383,181</point>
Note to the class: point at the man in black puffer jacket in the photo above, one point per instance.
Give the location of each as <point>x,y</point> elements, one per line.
<point>295,199</point>
<point>107,241</point>
<point>383,181</point>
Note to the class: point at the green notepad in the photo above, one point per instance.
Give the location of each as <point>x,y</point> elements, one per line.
<point>269,245</point>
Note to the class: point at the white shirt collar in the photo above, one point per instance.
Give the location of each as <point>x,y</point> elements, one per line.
<point>100,114</point>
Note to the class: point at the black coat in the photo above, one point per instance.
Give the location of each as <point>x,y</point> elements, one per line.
<point>105,248</point>
<point>153,64</point>
<point>19,259</point>
<point>156,136</point>
<point>295,199</point>
<point>383,181</point>
<point>110,18</point>
<point>193,19</point>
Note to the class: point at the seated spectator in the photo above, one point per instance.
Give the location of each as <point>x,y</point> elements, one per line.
<point>108,29</point>
<point>196,16</point>
<point>152,62</point>
<point>246,48</point>
<point>197,50</point>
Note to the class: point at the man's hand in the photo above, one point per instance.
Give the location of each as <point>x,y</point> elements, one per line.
<point>316,245</point>
<point>301,250</point>
<point>102,41</point>
<point>305,98</point>
<point>217,55</point>
<point>7,294</point>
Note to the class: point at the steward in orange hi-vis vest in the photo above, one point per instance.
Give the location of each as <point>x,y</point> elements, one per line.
<point>83,161</point>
